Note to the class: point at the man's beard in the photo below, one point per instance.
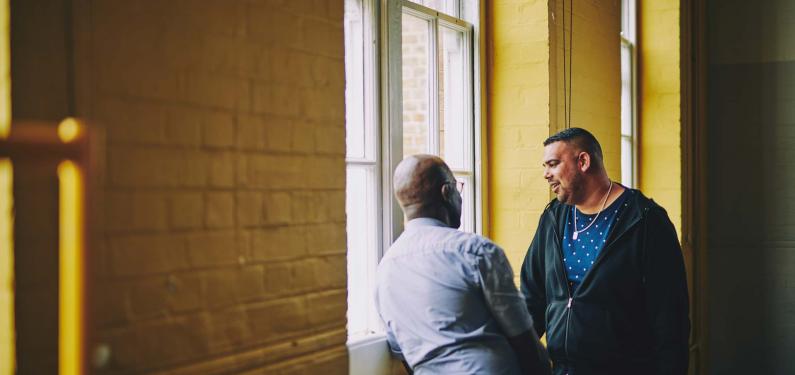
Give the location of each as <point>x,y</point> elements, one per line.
<point>573,193</point>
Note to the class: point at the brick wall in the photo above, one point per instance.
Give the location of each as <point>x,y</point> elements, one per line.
<point>416,95</point>
<point>519,84</point>
<point>223,246</point>
<point>525,73</point>
<point>659,99</point>
<point>594,52</point>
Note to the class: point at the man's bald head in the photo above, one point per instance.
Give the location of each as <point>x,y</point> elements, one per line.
<point>418,179</point>
<point>422,187</point>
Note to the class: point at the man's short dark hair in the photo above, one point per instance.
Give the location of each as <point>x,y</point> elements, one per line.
<point>581,138</point>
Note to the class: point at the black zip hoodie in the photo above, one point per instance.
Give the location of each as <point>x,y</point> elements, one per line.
<point>630,313</point>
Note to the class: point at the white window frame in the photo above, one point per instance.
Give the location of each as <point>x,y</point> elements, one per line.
<point>383,99</point>
<point>371,158</point>
<point>629,134</point>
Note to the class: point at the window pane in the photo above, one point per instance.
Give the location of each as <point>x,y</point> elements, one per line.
<point>354,81</point>
<point>360,208</point>
<point>449,7</point>
<point>454,116</point>
<point>628,20</point>
<point>468,205</point>
<point>624,18</point>
<point>627,163</point>
<point>416,103</point>
<point>626,90</point>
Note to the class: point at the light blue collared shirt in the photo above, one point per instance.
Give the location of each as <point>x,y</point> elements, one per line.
<point>449,302</point>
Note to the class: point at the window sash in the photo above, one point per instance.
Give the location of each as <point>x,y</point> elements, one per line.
<point>448,7</point>
<point>394,91</point>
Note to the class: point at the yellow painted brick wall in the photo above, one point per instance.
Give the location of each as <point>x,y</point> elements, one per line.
<point>525,73</point>
<point>518,121</point>
<point>594,54</point>
<point>223,245</point>
<point>659,104</point>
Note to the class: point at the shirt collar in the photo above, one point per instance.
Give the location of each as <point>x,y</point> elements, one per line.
<point>425,222</point>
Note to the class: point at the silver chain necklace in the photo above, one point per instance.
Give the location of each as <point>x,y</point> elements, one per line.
<point>574,209</point>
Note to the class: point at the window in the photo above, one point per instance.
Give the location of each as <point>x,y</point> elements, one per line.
<point>628,95</point>
<point>363,170</point>
<point>436,91</point>
<point>410,87</point>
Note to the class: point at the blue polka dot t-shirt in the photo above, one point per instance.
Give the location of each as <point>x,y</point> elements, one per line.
<point>579,254</point>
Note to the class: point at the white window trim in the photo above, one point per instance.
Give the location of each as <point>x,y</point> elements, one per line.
<point>633,137</point>
<point>372,113</point>
<point>629,40</point>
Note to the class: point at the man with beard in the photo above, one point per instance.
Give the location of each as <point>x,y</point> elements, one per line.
<point>604,276</point>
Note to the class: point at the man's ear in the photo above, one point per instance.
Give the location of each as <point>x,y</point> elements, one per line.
<point>446,192</point>
<point>584,161</point>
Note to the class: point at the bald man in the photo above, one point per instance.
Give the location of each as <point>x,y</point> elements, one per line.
<point>446,297</point>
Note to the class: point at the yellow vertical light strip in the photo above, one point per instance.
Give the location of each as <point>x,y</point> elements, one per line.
<point>7,331</point>
<point>71,197</point>
<point>7,327</point>
<point>5,71</point>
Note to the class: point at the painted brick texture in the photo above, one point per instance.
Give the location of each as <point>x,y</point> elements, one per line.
<point>595,58</point>
<point>525,74</point>
<point>223,244</point>
<point>659,95</point>
<point>519,86</point>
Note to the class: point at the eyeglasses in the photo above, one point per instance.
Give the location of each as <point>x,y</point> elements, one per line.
<point>459,185</point>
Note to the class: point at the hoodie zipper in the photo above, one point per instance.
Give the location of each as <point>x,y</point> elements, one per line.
<point>566,283</point>
<point>570,302</point>
<point>566,337</point>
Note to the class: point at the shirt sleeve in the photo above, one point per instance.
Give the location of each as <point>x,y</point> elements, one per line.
<point>391,340</point>
<point>503,299</point>
<point>394,348</point>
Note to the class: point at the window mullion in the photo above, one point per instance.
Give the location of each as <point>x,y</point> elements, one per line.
<point>433,80</point>
<point>392,118</point>
<point>470,99</point>
<point>371,80</point>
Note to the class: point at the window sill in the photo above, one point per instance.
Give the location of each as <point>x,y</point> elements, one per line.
<point>359,340</point>
<point>368,355</point>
